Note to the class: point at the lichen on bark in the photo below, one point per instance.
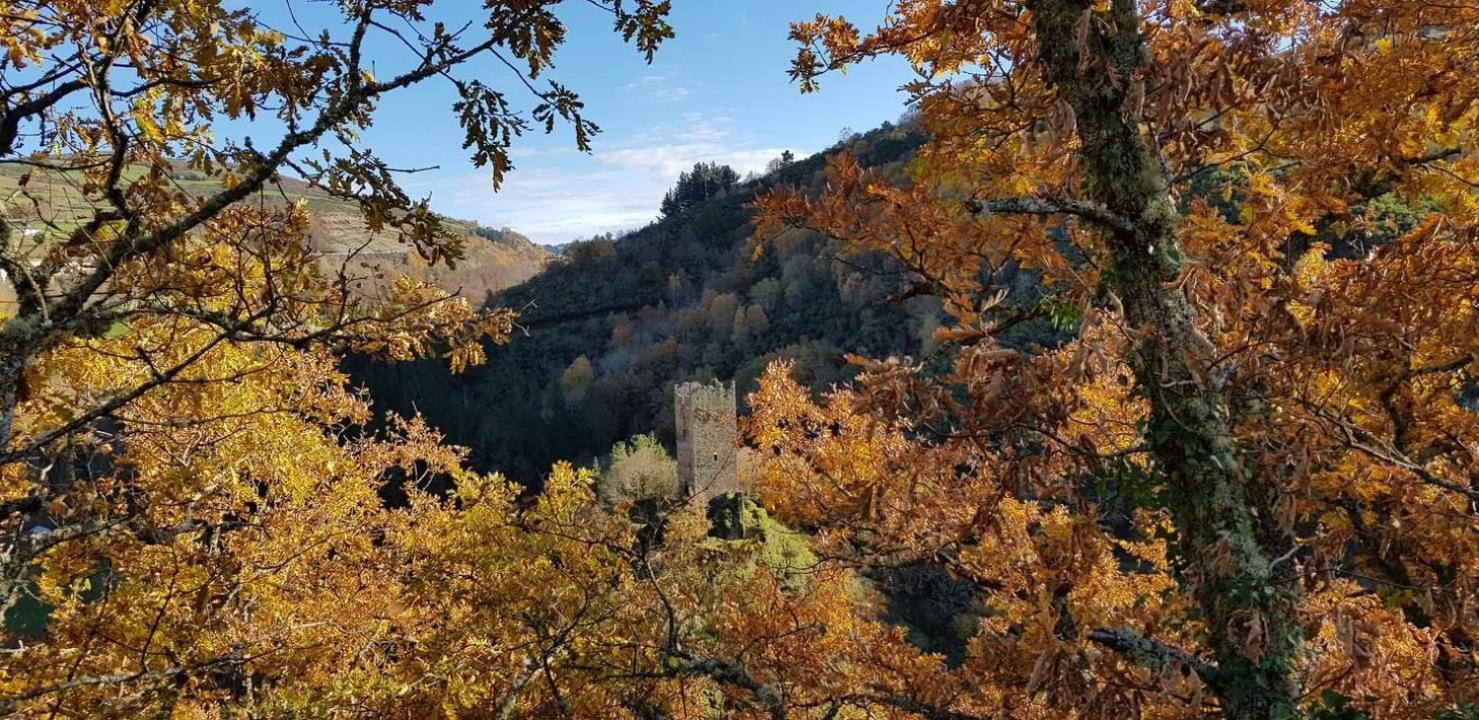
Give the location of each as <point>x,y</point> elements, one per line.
<point>1248,611</point>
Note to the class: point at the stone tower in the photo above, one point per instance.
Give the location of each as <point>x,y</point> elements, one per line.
<point>706,427</point>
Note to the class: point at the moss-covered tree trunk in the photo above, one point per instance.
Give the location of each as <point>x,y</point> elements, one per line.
<point>1092,62</point>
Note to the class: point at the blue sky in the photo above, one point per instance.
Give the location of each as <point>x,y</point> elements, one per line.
<point>718,91</point>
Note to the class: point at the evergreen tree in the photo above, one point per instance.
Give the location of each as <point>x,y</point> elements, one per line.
<point>703,182</point>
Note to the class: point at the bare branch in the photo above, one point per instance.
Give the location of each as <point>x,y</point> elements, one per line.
<point>1052,206</point>
<point>1151,654</point>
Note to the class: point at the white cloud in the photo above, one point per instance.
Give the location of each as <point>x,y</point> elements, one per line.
<point>554,206</point>
<point>647,80</point>
<point>618,187</point>
<point>672,94</point>
<point>658,86</point>
<point>669,160</point>
<point>523,152</point>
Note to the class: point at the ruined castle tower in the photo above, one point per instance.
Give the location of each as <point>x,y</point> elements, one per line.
<point>706,426</point>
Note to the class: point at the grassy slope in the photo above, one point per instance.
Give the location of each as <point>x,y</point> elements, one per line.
<point>52,205</point>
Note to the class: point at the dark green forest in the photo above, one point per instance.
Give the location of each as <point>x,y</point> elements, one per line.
<point>616,321</point>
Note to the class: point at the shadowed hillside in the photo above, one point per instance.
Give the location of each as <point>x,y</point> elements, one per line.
<point>615,321</point>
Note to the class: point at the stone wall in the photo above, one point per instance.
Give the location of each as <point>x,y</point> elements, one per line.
<point>706,427</point>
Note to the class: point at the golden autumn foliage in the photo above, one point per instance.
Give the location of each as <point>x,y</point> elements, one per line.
<point>197,522</point>
<point>194,518</point>
<point>1244,483</point>
<point>1239,482</point>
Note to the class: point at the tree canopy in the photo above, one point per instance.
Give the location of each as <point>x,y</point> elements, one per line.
<point>704,181</point>
<point>1246,487</point>
<point>1238,480</point>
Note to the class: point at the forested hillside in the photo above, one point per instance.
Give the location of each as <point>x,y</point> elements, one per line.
<point>611,326</point>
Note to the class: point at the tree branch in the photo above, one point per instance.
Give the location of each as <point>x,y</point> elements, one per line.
<point>1151,654</point>
<point>15,702</point>
<point>1052,206</point>
<point>734,674</point>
